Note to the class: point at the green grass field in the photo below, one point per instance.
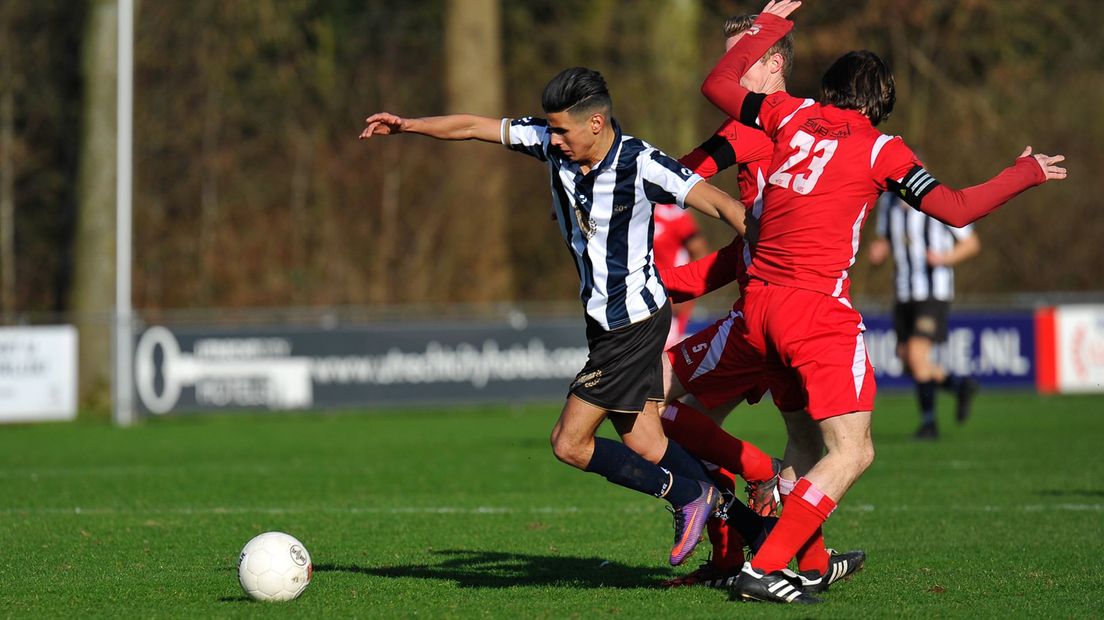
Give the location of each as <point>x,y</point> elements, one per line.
<point>465,513</point>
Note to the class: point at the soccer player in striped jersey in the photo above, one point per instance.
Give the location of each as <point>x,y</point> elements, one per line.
<point>605,185</point>
<point>924,252</point>
<point>830,165</point>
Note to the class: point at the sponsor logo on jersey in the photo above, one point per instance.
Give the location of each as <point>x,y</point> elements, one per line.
<point>823,129</point>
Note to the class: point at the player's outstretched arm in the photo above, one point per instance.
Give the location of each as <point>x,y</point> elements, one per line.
<point>715,203</point>
<point>451,127</point>
<point>962,207</point>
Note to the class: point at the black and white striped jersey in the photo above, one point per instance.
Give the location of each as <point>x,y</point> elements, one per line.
<point>605,217</point>
<point>911,235</point>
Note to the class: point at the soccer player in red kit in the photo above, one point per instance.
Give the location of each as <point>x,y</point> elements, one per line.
<point>732,144</point>
<point>691,368</point>
<point>677,241</point>
<point>829,166</point>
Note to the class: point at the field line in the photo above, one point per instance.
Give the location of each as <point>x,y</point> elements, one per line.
<point>493,510</point>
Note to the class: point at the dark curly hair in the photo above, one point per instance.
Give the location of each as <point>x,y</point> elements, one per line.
<point>860,81</point>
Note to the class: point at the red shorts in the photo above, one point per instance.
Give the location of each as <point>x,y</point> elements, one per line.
<point>820,337</point>
<point>716,365</point>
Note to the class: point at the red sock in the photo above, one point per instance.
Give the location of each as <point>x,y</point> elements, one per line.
<point>700,436</point>
<point>814,555</point>
<point>728,546</point>
<point>806,509</point>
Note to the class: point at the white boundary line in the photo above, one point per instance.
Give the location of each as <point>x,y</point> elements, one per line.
<point>493,510</point>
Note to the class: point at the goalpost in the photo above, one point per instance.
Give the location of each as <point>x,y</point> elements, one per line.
<point>123,375</point>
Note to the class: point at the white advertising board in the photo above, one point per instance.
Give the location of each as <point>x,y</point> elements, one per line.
<point>1080,333</point>
<point>38,373</point>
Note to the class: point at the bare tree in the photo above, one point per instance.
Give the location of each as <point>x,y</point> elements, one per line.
<point>7,187</point>
<point>93,289</point>
<point>477,201</point>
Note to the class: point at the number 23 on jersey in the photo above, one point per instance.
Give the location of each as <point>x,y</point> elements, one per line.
<point>794,173</point>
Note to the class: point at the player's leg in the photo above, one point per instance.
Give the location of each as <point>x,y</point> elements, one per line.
<point>918,355</point>
<point>914,332</point>
<point>964,387</point>
<point>574,442</point>
<point>696,432</point>
<point>719,367</point>
<point>701,436</point>
<point>815,495</point>
<point>929,327</point>
<point>804,447</point>
<point>623,374</point>
<point>644,434</point>
<point>821,338</point>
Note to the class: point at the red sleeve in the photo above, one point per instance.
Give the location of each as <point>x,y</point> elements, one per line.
<point>700,162</point>
<point>722,85</point>
<point>706,274</point>
<point>961,207</point>
<point>713,155</point>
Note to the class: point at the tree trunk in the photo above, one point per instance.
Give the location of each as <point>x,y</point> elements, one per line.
<point>92,296</point>
<point>675,52</point>
<point>7,199</point>
<point>476,205</point>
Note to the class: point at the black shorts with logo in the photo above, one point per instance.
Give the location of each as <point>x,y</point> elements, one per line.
<point>624,369</point>
<point>924,319</point>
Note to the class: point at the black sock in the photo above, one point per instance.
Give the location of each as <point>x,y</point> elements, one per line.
<point>747,522</point>
<point>678,461</point>
<point>951,382</point>
<point>617,463</point>
<point>925,395</point>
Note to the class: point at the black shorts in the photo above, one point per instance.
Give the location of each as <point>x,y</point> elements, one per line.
<point>624,369</point>
<point>923,319</point>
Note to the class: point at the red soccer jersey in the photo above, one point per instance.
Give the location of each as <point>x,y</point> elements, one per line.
<point>828,169</point>
<point>732,144</point>
<point>673,228</point>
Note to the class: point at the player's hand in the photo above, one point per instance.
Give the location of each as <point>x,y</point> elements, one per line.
<point>382,124</point>
<point>781,8</point>
<point>878,251</point>
<point>1050,171</point>
<point>752,224</point>
<point>935,259</point>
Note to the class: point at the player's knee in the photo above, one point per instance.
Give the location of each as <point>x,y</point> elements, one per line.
<point>567,451</point>
<point>865,456</point>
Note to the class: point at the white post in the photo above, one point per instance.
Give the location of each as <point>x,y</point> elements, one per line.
<point>123,384</point>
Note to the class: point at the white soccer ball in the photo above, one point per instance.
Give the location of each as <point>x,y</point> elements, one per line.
<point>274,566</point>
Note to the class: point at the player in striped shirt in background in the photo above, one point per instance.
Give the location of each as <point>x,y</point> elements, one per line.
<point>605,185</point>
<point>925,252</point>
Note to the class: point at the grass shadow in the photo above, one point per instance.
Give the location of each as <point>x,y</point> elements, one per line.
<point>493,569</point>
<point>1070,492</point>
